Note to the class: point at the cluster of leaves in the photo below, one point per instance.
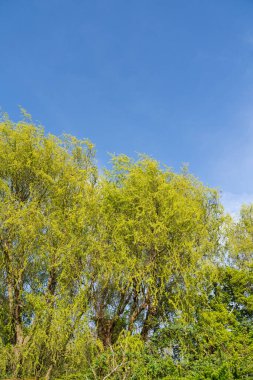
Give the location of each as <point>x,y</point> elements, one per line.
<point>135,273</point>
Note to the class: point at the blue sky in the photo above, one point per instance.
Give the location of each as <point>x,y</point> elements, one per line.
<point>170,78</point>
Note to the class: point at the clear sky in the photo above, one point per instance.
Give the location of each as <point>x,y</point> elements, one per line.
<point>170,78</point>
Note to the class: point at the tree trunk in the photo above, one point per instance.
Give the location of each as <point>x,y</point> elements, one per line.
<point>14,286</point>
<point>49,372</point>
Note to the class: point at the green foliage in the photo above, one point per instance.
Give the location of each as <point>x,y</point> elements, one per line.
<point>131,274</point>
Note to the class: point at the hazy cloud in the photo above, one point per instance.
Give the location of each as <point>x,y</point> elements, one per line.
<point>232,202</point>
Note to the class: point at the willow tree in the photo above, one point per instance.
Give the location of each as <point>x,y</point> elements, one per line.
<point>114,276</point>
<point>154,244</point>
<point>46,194</point>
<point>236,291</point>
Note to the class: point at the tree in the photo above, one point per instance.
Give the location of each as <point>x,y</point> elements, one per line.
<point>131,273</point>
<point>46,188</point>
<point>155,239</point>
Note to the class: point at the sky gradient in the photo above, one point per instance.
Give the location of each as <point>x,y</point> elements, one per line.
<point>172,79</point>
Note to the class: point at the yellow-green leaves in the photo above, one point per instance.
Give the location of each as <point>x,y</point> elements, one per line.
<point>44,212</point>
<point>131,274</point>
